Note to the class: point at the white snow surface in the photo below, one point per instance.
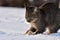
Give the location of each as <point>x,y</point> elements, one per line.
<point>13,26</point>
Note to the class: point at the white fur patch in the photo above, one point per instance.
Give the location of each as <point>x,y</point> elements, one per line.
<point>35,9</point>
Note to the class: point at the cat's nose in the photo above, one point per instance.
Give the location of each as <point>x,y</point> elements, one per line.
<point>28,20</point>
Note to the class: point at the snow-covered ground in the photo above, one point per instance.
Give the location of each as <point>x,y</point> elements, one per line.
<point>13,26</point>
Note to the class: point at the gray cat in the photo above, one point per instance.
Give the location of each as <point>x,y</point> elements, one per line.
<point>42,14</point>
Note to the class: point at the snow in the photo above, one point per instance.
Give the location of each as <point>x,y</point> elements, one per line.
<point>13,26</point>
